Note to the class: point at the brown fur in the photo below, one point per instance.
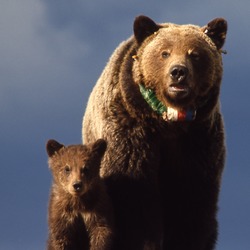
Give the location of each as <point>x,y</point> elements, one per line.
<point>163,177</point>
<point>80,212</point>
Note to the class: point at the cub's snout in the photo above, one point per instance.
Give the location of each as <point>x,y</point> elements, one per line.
<point>78,185</point>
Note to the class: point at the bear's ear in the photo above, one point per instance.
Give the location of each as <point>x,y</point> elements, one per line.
<point>217,31</point>
<point>99,147</point>
<point>144,27</point>
<point>52,147</point>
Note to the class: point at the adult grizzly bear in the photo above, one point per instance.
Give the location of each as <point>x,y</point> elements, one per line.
<point>157,105</point>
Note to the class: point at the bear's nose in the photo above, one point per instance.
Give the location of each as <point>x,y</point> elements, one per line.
<point>178,73</point>
<point>77,185</point>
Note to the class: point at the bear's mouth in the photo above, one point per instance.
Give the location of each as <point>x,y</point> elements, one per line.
<point>178,91</point>
<point>76,193</point>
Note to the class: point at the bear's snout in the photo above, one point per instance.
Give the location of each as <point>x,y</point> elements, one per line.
<point>179,85</point>
<point>77,185</point>
<point>178,73</point>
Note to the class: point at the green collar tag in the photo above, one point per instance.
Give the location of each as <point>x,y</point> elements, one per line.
<point>151,99</point>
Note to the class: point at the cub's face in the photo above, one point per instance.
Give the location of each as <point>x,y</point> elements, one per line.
<point>75,168</point>
<point>180,63</point>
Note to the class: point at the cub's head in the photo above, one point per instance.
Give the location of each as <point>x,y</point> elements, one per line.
<point>181,64</point>
<point>76,167</point>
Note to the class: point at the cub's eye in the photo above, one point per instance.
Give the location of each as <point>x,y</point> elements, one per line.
<point>85,170</point>
<point>67,169</point>
<point>165,54</point>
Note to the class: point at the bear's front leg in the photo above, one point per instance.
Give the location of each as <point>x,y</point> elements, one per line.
<point>59,234</point>
<point>66,230</point>
<point>101,238</point>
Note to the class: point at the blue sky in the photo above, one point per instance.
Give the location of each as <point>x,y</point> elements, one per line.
<point>51,54</point>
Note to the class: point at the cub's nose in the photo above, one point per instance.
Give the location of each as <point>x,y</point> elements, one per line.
<point>178,73</point>
<point>77,185</point>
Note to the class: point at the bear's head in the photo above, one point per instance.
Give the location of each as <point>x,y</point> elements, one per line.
<point>75,168</point>
<point>180,64</point>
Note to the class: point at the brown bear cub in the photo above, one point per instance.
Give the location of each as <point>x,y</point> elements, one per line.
<point>80,212</point>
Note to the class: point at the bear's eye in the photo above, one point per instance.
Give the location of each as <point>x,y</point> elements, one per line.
<point>85,170</point>
<point>195,55</point>
<point>165,54</point>
<point>67,169</point>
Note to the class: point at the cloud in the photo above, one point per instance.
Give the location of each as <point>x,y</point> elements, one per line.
<point>31,50</point>
<point>37,60</point>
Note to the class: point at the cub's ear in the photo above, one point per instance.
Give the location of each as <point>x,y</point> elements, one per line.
<point>217,31</point>
<point>52,147</point>
<point>99,147</point>
<point>144,27</point>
